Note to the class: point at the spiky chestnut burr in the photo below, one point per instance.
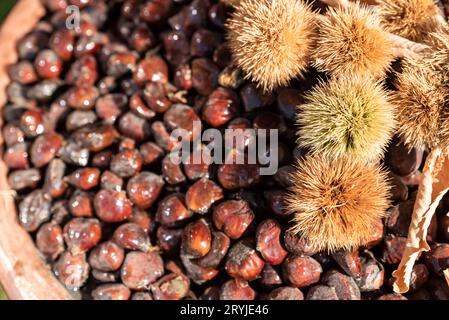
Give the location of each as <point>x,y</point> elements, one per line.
<point>422,95</point>
<point>351,41</point>
<point>271,40</point>
<point>346,116</point>
<point>336,202</point>
<point>436,57</point>
<point>411,19</point>
<point>420,101</point>
<point>402,47</point>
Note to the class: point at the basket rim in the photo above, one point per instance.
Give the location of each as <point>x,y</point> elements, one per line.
<point>23,272</point>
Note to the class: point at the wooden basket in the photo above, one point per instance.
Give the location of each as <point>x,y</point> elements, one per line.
<point>23,273</point>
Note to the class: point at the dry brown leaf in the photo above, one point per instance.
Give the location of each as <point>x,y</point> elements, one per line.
<point>433,186</point>
<point>446,275</point>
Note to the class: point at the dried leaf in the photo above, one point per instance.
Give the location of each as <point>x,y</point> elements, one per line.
<point>446,275</point>
<point>433,186</point>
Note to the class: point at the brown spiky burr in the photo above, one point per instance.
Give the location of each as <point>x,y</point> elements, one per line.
<point>346,116</point>
<point>271,40</point>
<point>411,19</point>
<point>351,41</point>
<point>437,56</point>
<point>422,97</point>
<point>401,47</point>
<point>420,101</point>
<point>336,202</point>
